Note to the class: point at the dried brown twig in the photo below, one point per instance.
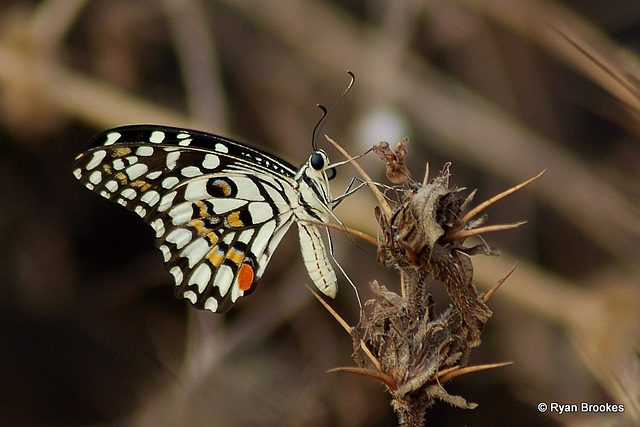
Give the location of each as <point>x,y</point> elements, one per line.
<point>400,340</point>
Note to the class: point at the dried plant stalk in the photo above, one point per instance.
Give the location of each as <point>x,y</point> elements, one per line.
<point>400,340</point>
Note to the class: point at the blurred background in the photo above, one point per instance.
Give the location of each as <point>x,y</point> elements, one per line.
<point>90,333</point>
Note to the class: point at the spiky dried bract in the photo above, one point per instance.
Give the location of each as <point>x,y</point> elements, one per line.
<point>415,241</point>
<point>411,343</point>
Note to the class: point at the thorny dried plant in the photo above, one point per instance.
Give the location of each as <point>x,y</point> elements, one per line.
<point>400,339</point>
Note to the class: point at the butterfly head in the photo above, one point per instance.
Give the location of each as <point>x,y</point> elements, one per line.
<point>319,163</point>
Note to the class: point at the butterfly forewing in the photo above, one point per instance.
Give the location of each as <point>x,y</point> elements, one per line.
<point>219,208</point>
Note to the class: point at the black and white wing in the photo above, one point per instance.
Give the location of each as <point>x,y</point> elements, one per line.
<point>219,208</point>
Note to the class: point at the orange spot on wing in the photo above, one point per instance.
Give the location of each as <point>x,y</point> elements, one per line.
<point>235,255</point>
<point>198,224</point>
<point>201,208</point>
<point>245,276</point>
<point>142,185</point>
<point>234,219</point>
<point>121,151</point>
<point>223,188</point>
<point>212,238</point>
<point>122,178</point>
<point>215,256</point>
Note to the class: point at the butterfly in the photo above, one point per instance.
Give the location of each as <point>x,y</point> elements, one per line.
<point>219,208</point>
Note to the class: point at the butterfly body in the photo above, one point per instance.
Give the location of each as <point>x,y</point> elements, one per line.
<point>219,208</point>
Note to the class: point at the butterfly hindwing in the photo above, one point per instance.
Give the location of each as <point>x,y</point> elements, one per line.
<point>216,236</point>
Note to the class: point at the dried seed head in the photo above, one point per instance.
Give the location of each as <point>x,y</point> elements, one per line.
<point>413,349</point>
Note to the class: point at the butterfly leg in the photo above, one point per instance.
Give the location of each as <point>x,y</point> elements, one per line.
<point>349,191</point>
<point>344,273</point>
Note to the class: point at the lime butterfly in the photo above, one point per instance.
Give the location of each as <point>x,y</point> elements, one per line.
<point>219,208</point>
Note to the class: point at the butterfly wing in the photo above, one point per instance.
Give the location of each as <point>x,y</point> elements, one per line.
<point>219,208</point>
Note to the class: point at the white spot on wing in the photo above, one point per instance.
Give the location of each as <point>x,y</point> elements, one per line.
<point>112,138</point>
<point>136,171</point>
<point>129,193</point>
<point>118,164</point>
<point>211,161</point>
<point>195,251</point>
<point>245,236</point>
<point>140,211</point>
<point>236,293</point>
<point>228,238</point>
<point>260,212</point>
<point>166,253</point>
<point>196,190</point>
<point>191,296</point>
<point>156,137</point>
<point>170,182</point>
<point>150,198</point>
<point>172,158</point>
<point>97,158</point>
<point>211,304</point>
<point>223,279</point>
<point>132,160</point>
<point>158,226</point>
<point>200,276</point>
<point>179,236</point>
<point>154,175</point>
<point>177,275</point>
<point>191,171</point>
<point>247,189</point>
<point>262,239</point>
<point>145,150</point>
<point>111,186</point>
<point>95,177</point>
<point>181,213</point>
<point>166,201</point>
<point>221,206</point>
<point>221,148</point>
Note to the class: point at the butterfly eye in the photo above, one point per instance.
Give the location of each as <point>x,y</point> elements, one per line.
<point>332,174</point>
<point>317,161</point>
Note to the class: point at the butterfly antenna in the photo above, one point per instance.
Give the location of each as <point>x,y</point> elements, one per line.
<point>318,128</point>
<point>325,113</point>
